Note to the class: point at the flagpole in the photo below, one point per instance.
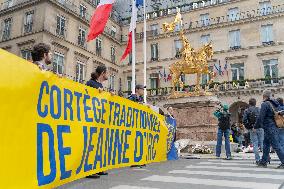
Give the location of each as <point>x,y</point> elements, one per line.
<point>145,54</point>
<point>133,50</point>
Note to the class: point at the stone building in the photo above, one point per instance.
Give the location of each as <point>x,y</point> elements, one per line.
<point>246,35</point>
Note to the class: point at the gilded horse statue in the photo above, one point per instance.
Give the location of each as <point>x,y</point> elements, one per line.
<point>192,62</point>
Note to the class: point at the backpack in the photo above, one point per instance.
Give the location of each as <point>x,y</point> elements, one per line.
<point>224,121</point>
<point>251,119</point>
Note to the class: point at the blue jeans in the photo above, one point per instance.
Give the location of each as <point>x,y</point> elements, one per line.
<point>220,134</point>
<point>281,135</point>
<point>257,138</point>
<point>272,138</point>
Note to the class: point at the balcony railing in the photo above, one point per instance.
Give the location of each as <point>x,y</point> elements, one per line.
<point>82,42</point>
<point>28,28</point>
<point>113,59</point>
<point>222,19</point>
<point>268,43</point>
<point>8,4</point>
<point>61,32</point>
<point>235,47</point>
<point>221,87</point>
<point>6,35</point>
<point>99,51</point>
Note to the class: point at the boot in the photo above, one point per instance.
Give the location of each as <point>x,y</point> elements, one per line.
<point>261,164</point>
<point>281,166</point>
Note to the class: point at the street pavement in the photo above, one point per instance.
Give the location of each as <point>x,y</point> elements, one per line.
<point>204,173</point>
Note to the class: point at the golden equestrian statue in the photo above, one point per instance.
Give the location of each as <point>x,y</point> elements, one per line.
<point>192,62</point>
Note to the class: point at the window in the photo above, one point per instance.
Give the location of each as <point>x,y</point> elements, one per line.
<point>267,33</point>
<point>7,29</point>
<point>235,39</point>
<point>28,22</point>
<point>129,82</point>
<point>206,77</point>
<point>80,72</point>
<point>96,2</point>
<point>60,29</point>
<point>204,19</point>
<point>154,29</point>
<point>111,82</point>
<point>265,8</point>
<point>83,11</point>
<point>233,14</point>
<point>112,54</point>
<point>82,37</point>
<point>58,63</point>
<point>178,27</point>
<point>205,39</point>
<point>63,2</point>
<point>130,58</point>
<point>270,71</point>
<point>178,46</point>
<point>99,47</point>
<point>9,3</point>
<point>113,31</point>
<point>237,72</point>
<point>26,54</point>
<point>154,52</point>
<point>154,81</point>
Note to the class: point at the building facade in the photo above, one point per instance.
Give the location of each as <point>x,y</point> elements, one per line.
<point>246,35</point>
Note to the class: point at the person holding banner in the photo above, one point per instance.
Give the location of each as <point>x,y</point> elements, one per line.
<point>42,56</point>
<point>138,96</point>
<point>97,78</point>
<point>171,124</point>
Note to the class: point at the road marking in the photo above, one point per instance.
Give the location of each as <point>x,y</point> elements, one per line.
<point>130,187</point>
<point>236,168</point>
<point>210,182</point>
<point>228,164</point>
<point>229,174</point>
<point>239,161</point>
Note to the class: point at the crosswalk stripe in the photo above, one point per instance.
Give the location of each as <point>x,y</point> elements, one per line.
<point>239,161</point>
<point>228,164</point>
<point>131,187</point>
<point>210,182</point>
<point>230,174</point>
<point>236,168</point>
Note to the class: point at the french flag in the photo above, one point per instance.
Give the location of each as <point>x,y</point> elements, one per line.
<point>100,18</point>
<point>132,28</point>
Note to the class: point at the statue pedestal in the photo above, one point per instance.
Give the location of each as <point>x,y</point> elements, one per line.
<point>194,115</point>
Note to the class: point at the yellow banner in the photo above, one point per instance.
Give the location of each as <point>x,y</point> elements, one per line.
<point>54,131</point>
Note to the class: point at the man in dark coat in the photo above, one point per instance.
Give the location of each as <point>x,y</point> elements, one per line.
<point>271,132</point>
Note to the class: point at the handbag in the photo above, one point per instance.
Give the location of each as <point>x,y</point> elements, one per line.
<point>279,119</point>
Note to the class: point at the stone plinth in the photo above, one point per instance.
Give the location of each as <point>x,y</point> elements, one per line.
<point>194,115</point>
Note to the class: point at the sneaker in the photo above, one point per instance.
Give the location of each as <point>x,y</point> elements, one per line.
<point>102,173</point>
<point>94,176</point>
<point>261,164</point>
<point>281,166</point>
<point>228,158</point>
<point>218,157</point>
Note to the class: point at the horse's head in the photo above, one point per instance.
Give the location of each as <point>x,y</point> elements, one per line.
<point>208,50</point>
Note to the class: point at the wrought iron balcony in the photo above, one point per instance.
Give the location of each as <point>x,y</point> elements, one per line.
<point>222,87</point>
<point>28,27</point>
